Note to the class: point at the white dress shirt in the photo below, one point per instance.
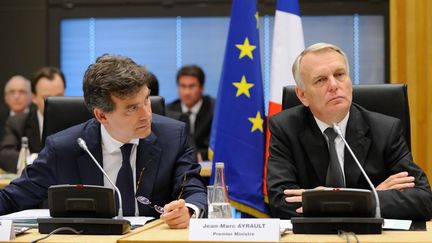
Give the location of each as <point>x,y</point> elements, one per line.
<point>40,121</point>
<point>112,159</point>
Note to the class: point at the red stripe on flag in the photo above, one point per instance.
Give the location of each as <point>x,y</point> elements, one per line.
<point>273,109</point>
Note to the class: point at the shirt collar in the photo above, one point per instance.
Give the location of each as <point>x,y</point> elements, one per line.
<point>13,113</point>
<point>342,124</point>
<point>40,121</point>
<point>195,109</point>
<point>110,143</point>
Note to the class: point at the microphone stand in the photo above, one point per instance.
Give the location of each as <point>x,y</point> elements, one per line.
<point>338,131</point>
<point>332,225</point>
<point>89,226</point>
<point>83,145</point>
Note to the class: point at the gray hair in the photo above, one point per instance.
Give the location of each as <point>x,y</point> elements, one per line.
<point>18,77</point>
<point>117,76</point>
<point>314,48</point>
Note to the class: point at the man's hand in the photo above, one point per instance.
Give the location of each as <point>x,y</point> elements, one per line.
<point>294,195</point>
<point>176,214</point>
<point>399,181</point>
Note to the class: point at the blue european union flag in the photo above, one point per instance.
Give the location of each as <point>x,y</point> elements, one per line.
<point>237,135</point>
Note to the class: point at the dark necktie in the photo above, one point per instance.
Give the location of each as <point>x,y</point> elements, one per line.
<point>334,176</point>
<point>125,183</point>
<point>189,115</point>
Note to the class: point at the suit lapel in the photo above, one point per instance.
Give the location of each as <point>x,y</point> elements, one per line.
<point>203,111</point>
<point>147,166</point>
<point>356,131</point>
<point>31,130</point>
<point>89,172</point>
<point>315,146</point>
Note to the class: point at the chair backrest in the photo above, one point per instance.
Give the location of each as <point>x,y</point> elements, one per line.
<point>62,112</point>
<point>158,105</point>
<point>387,99</point>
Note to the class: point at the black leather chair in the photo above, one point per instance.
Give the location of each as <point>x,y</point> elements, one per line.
<point>388,99</point>
<point>63,112</point>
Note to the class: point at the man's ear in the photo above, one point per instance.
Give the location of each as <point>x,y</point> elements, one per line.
<point>301,96</point>
<point>100,116</point>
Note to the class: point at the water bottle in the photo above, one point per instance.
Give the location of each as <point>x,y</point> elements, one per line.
<point>24,156</point>
<point>218,200</point>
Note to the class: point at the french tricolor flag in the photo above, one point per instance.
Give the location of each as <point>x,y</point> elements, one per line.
<point>288,43</point>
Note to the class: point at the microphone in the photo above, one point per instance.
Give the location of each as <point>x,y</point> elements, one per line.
<point>323,218</point>
<point>83,145</point>
<point>88,226</point>
<point>338,131</point>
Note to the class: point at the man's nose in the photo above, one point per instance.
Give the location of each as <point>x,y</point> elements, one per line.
<point>187,90</point>
<point>333,83</point>
<point>145,111</point>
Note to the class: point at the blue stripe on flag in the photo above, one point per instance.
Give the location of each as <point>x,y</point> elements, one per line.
<point>289,6</point>
<point>238,128</point>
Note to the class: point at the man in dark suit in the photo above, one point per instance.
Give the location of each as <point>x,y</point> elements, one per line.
<point>143,154</point>
<point>195,106</point>
<point>301,154</point>
<point>17,95</point>
<point>46,81</point>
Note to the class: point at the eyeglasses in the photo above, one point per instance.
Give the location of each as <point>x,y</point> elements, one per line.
<point>146,201</point>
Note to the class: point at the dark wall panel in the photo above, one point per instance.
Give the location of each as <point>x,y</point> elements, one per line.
<point>23,38</point>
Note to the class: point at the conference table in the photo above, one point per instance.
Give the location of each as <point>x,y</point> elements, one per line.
<point>159,232</point>
<point>206,167</point>
<point>4,182</point>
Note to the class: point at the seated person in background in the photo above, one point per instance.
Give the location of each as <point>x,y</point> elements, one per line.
<point>157,161</point>
<point>198,108</point>
<point>300,157</point>
<point>47,81</point>
<point>153,85</point>
<point>17,95</point>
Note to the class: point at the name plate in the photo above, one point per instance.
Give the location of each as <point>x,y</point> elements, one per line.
<point>6,230</point>
<point>250,230</point>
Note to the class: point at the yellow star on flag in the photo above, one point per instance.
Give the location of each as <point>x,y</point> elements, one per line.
<point>246,49</point>
<point>243,87</point>
<point>257,122</point>
<point>257,19</point>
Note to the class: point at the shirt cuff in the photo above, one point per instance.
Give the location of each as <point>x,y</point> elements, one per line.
<point>196,212</point>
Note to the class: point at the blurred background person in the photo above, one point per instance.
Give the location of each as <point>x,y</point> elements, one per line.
<point>47,81</point>
<point>17,95</point>
<point>198,107</point>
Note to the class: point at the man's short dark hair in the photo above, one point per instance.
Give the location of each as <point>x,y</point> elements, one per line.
<point>117,76</point>
<point>194,71</point>
<point>46,72</point>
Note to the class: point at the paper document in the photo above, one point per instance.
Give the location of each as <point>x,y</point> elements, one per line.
<point>285,226</point>
<point>140,220</point>
<point>397,224</point>
<point>27,218</point>
<point>28,214</point>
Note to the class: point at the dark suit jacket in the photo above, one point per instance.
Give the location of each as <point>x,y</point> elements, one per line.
<point>20,125</point>
<point>164,154</point>
<point>203,123</point>
<point>299,159</point>
<point>4,115</point>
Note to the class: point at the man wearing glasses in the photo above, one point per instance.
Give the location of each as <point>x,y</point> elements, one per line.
<point>145,155</point>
